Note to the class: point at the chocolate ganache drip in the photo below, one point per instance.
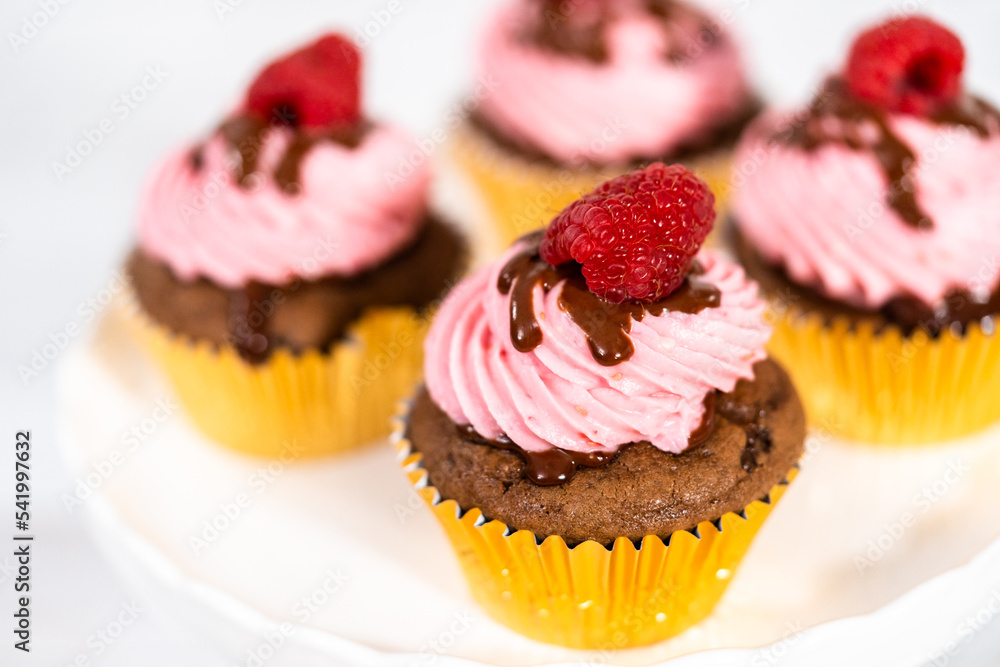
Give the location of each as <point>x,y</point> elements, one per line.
<point>248,326</point>
<point>550,467</point>
<point>896,159</point>
<point>566,28</point>
<point>245,135</point>
<point>605,324</point>
<point>555,466</point>
<point>751,418</point>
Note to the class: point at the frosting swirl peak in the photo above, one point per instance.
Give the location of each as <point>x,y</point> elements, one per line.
<point>557,393</point>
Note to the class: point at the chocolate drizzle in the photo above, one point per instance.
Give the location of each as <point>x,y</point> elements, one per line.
<point>301,314</point>
<point>896,158</point>
<point>955,311</point>
<point>549,467</point>
<point>662,9</point>
<point>196,158</point>
<point>682,47</point>
<point>564,28</point>
<point>247,332</point>
<point>555,466</point>
<point>245,135</point>
<point>701,434</point>
<point>970,112</point>
<point>751,418</point>
<point>605,324</point>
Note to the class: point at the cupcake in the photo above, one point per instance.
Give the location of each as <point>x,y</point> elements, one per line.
<point>576,91</point>
<point>282,278</point>
<point>601,433</point>
<point>872,219</point>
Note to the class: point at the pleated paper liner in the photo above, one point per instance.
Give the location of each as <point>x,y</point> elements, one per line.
<point>589,596</point>
<point>523,195</point>
<point>886,388</point>
<point>310,404</point>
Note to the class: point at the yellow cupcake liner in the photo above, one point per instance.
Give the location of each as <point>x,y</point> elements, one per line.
<point>522,195</point>
<point>886,388</point>
<point>311,404</point>
<point>589,596</point>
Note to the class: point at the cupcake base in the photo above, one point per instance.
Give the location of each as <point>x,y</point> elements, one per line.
<point>554,584</point>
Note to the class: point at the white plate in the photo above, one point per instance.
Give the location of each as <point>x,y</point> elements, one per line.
<point>874,556</point>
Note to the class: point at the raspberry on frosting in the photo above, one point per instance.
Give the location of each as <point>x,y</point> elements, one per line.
<point>317,86</point>
<point>636,235</point>
<point>907,65</point>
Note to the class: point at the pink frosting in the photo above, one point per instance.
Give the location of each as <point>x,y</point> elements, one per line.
<point>557,395</point>
<point>637,104</point>
<point>346,218</point>
<point>822,214</point>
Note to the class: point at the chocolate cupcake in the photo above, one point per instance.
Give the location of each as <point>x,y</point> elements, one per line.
<point>601,433</point>
<point>283,276</point>
<point>576,91</point>
<point>872,219</point>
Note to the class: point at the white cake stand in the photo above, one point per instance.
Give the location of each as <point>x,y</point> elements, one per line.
<point>874,556</point>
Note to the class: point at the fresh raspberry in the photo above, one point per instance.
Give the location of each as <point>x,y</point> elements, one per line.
<point>635,235</point>
<point>907,65</point>
<point>317,86</point>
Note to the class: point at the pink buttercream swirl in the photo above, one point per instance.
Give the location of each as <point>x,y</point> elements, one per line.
<point>346,216</point>
<point>557,395</point>
<point>822,213</point>
<point>638,103</point>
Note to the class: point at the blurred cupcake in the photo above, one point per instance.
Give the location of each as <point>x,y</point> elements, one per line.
<point>583,90</point>
<point>872,219</point>
<point>601,433</point>
<point>284,277</point>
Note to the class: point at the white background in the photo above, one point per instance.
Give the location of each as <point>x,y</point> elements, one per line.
<point>61,240</point>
